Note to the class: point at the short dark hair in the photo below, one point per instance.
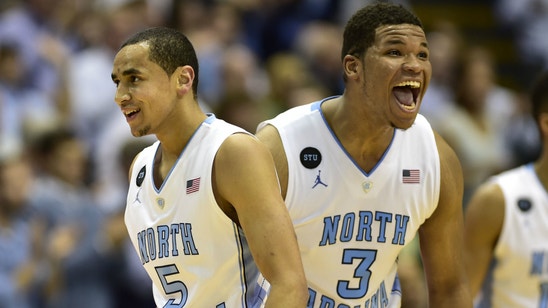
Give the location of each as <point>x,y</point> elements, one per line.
<point>539,96</point>
<point>359,33</point>
<point>169,49</point>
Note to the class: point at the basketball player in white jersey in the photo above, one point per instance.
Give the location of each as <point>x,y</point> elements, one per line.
<point>362,173</point>
<point>204,210</point>
<point>506,228</point>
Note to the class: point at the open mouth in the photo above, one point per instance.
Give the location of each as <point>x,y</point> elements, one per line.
<point>407,93</point>
<point>130,114</point>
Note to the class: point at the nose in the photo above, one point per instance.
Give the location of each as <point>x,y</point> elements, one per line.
<point>121,95</point>
<point>412,64</point>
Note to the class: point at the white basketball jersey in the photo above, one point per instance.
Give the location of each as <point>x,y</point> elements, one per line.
<point>519,273</point>
<point>195,254</point>
<point>351,225</point>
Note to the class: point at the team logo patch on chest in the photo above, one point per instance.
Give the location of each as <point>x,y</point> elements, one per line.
<point>318,180</point>
<point>141,176</point>
<point>366,186</point>
<point>310,157</point>
<point>160,202</point>
<point>524,205</point>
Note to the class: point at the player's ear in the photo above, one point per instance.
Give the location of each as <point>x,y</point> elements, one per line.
<point>184,77</point>
<point>351,66</point>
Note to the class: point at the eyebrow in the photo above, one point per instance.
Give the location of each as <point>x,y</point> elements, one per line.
<point>131,71</point>
<point>396,41</point>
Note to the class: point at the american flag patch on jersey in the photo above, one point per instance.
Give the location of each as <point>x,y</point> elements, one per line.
<point>192,185</point>
<point>411,176</point>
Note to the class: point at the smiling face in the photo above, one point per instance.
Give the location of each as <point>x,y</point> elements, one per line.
<point>145,93</point>
<point>396,72</point>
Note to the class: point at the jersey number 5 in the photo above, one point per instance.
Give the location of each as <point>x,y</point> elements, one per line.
<point>173,287</point>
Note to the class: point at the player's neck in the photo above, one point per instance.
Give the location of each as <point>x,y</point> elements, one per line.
<point>365,142</point>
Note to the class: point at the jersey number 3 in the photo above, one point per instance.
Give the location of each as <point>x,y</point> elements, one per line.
<point>366,257</point>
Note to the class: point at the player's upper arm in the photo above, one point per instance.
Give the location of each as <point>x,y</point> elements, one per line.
<point>271,138</point>
<point>447,219</point>
<point>244,173</point>
<point>245,178</point>
<point>441,237</point>
<point>483,221</point>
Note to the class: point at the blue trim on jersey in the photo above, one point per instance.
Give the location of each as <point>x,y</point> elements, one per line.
<point>253,294</point>
<point>210,118</point>
<point>396,286</point>
<point>484,298</point>
<point>243,282</point>
<point>317,105</point>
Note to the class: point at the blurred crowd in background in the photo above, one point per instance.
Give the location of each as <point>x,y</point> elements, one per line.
<point>65,147</point>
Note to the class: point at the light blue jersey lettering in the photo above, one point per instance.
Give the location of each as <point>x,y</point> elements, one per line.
<point>156,244</point>
<point>362,229</point>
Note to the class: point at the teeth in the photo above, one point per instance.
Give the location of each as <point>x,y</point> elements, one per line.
<point>410,107</point>
<point>129,112</point>
<point>412,84</point>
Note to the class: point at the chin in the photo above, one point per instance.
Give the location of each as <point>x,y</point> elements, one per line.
<point>140,132</point>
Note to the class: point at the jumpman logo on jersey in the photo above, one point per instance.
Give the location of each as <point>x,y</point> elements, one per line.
<point>319,180</point>
<point>137,196</point>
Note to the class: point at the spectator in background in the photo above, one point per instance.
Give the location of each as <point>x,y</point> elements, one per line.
<point>291,83</point>
<point>21,232</point>
<point>445,42</point>
<point>24,109</point>
<point>214,27</point>
<point>272,26</point>
<point>526,22</point>
<point>244,85</point>
<point>78,247</point>
<point>318,44</point>
<point>475,126</point>
<point>36,28</point>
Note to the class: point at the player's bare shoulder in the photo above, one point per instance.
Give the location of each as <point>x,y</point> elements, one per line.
<point>486,207</point>
<point>270,136</point>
